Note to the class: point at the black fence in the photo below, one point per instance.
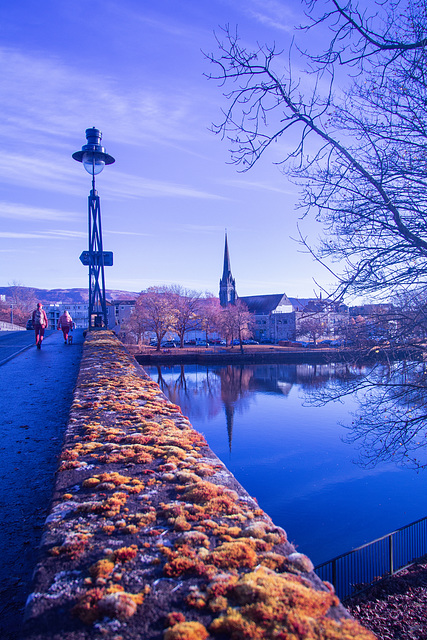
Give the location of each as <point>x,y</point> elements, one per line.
<point>351,572</point>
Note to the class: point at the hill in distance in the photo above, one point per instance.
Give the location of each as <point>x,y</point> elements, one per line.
<point>71,296</point>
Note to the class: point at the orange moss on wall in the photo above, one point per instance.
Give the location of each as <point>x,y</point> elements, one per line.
<point>223,554</point>
<point>186,631</point>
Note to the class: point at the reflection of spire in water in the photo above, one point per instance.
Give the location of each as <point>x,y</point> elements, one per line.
<point>229,415</point>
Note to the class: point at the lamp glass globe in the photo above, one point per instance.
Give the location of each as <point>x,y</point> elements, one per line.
<point>92,164</point>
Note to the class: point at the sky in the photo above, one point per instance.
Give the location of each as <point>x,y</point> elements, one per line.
<point>136,70</point>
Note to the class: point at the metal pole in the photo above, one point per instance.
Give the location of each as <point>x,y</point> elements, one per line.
<point>90,262</point>
<point>94,157</point>
<point>390,554</point>
<point>334,573</point>
<point>97,302</point>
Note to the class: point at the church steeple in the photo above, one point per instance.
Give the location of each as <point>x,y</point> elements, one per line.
<point>227,284</point>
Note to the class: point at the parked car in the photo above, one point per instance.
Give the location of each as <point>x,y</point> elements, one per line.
<point>168,344</point>
<point>29,325</point>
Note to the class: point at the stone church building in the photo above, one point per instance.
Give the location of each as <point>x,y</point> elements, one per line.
<point>279,317</point>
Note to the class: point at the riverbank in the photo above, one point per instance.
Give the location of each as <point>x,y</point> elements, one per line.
<point>151,537</point>
<point>266,354</point>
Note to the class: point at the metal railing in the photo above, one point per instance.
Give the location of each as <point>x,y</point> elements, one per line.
<point>352,572</point>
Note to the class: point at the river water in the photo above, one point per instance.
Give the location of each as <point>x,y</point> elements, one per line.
<point>295,457</point>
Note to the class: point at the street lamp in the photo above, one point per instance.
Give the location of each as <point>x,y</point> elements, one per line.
<point>94,159</point>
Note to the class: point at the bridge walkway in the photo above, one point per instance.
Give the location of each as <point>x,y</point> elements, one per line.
<point>36,390</point>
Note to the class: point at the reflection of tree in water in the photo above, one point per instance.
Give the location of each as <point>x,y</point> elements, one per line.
<point>390,423</point>
<point>194,389</point>
<point>202,391</point>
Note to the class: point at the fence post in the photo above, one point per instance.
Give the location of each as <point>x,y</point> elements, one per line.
<point>334,573</point>
<point>390,553</point>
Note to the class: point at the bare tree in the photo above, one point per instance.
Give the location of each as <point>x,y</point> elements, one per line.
<point>358,151</point>
<point>4,311</point>
<point>313,326</point>
<point>236,323</point>
<point>19,304</point>
<point>136,324</point>
<point>155,311</point>
<point>209,315</point>
<point>187,310</point>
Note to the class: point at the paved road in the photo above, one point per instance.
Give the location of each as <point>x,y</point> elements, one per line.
<point>36,390</point>
<point>12,342</point>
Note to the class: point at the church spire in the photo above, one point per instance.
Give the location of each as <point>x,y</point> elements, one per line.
<point>227,284</point>
<point>227,267</point>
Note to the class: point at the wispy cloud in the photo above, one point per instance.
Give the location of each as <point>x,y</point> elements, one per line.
<point>47,172</point>
<point>124,233</point>
<point>19,235</point>
<point>263,186</point>
<point>272,13</point>
<point>121,185</point>
<point>65,233</point>
<point>52,174</point>
<point>21,211</point>
<point>59,98</point>
<point>58,106</point>
<point>46,235</point>
<point>202,228</point>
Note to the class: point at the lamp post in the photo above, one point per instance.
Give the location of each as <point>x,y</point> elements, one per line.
<point>94,159</point>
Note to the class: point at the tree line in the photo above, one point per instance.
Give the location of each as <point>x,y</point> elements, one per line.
<point>19,305</point>
<point>173,309</point>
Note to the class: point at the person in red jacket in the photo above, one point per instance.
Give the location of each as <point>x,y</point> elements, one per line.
<point>39,323</point>
<point>65,323</point>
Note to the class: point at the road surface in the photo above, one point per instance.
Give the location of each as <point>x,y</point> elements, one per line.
<point>36,389</point>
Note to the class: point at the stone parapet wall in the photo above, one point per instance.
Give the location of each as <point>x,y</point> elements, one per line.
<point>151,537</point>
<point>8,326</point>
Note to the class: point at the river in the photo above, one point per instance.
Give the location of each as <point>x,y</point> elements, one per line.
<point>296,454</point>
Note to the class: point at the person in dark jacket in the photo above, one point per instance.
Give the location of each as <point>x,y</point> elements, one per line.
<point>39,323</point>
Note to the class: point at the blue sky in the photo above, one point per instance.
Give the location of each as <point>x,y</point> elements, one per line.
<point>134,69</point>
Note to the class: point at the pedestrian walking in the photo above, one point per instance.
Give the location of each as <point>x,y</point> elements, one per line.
<point>65,323</point>
<point>39,323</point>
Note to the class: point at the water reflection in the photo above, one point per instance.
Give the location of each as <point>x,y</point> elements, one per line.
<point>289,448</point>
<point>390,423</point>
<point>206,391</point>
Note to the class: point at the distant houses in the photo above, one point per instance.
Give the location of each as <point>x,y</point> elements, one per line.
<point>118,312</point>
<point>278,317</point>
